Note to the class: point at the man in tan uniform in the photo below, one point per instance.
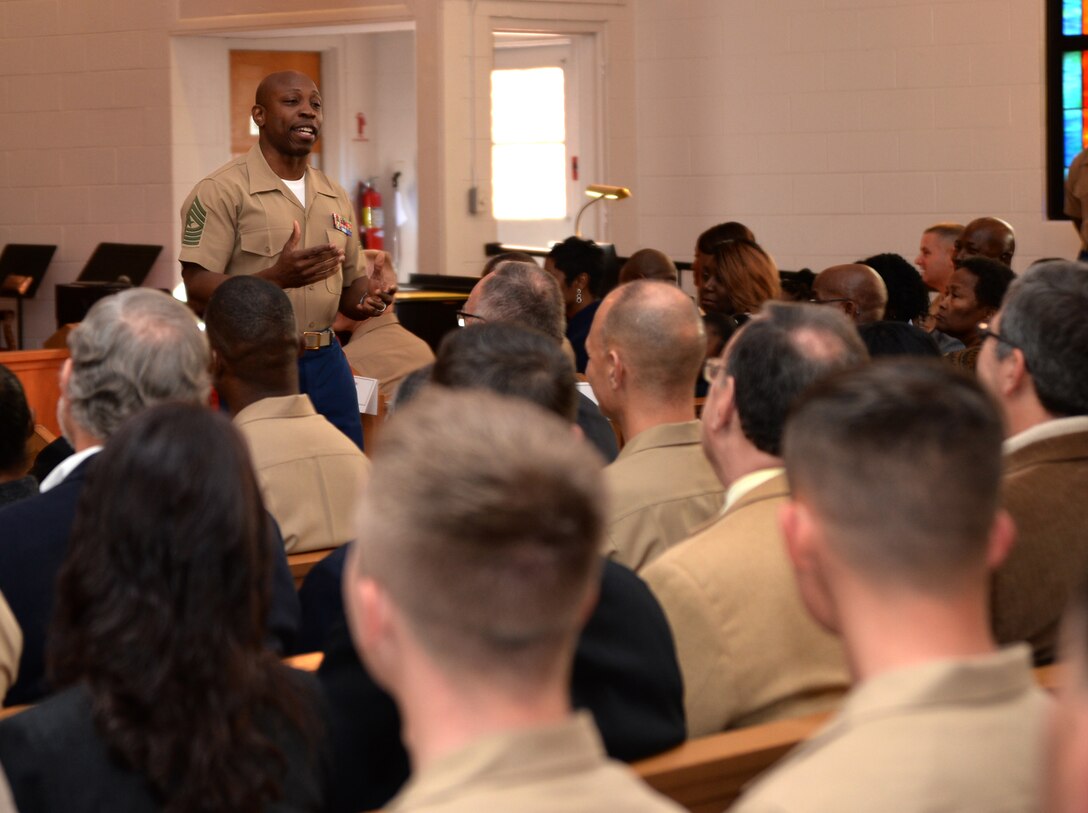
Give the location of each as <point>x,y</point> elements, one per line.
<point>1034,361</point>
<point>748,651</point>
<point>645,350</point>
<point>380,347</point>
<point>892,530</point>
<point>310,474</point>
<point>271,214</point>
<point>475,567</point>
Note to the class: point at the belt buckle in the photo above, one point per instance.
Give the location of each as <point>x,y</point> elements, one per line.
<point>311,339</point>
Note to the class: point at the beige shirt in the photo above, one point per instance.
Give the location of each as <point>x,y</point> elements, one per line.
<point>11,649</point>
<point>559,768</point>
<point>382,348</point>
<point>952,735</point>
<point>309,472</point>
<point>748,650</point>
<point>660,487</point>
<point>237,219</point>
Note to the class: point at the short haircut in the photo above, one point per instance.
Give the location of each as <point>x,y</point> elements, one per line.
<point>773,359</point>
<point>526,294</point>
<point>576,256</point>
<point>992,279</point>
<point>949,232</point>
<point>511,360</point>
<point>908,298</point>
<point>250,322</point>
<point>648,263</point>
<point>748,274</point>
<point>902,460</point>
<point>662,337</point>
<point>507,257</point>
<point>134,349</point>
<point>16,422</point>
<point>1044,315</point>
<point>713,237</point>
<point>487,536</point>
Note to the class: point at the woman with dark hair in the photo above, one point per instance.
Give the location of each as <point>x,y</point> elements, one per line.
<point>578,267</point>
<point>738,278</point>
<point>170,700</point>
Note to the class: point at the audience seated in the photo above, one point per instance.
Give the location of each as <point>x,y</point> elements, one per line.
<point>156,353</point>
<point>525,294</point>
<point>748,651</point>
<point>1034,361</point>
<point>380,347</point>
<point>309,472</point>
<point>738,277</point>
<point>16,427</point>
<point>170,700</point>
<point>985,237</point>
<point>475,567</point>
<point>649,263</point>
<point>892,529</point>
<point>709,241</point>
<point>855,289</point>
<point>578,266</point>
<point>625,669</point>
<point>974,294</point>
<point>934,260</point>
<point>646,349</point>
<point>907,297</point>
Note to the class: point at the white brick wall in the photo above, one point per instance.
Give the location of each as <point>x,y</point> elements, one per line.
<point>840,128</point>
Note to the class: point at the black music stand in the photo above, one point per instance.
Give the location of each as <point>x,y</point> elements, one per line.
<point>22,269</point>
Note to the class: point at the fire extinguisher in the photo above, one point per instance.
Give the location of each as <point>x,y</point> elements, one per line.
<point>371,216</point>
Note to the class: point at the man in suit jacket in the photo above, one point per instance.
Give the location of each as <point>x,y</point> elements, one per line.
<point>646,347</point>
<point>892,530</point>
<point>475,568</point>
<point>748,650</point>
<point>1034,361</point>
<point>133,350</point>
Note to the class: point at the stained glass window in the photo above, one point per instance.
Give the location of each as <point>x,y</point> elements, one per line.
<point>1067,83</point>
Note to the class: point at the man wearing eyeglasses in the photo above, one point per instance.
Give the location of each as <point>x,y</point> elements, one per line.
<point>855,289</point>
<point>1034,360</point>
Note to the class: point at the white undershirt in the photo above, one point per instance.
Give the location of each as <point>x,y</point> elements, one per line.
<point>299,188</point>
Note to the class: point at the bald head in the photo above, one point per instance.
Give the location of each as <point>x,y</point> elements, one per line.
<point>656,330</point>
<point>856,288</point>
<point>282,80</point>
<point>986,237</point>
<point>648,263</point>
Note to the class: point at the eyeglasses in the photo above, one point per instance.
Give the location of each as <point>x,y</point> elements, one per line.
<point>985,332</point>
<point>712,369</point>
<point>464,316</point>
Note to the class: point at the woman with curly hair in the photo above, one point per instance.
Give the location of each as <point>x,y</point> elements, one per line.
<point>169,699</point>
<point>738,277</point>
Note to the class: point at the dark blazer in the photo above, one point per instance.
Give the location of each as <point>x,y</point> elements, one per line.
<point>57,762</point>
<point>625,673</point>
<point>597,429</point>
<point>33,542</point>
<point>1043,487</point>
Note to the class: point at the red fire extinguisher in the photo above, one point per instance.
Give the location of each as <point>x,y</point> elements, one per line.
<point>371,216</point>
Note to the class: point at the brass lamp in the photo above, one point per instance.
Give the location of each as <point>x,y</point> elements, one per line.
<point>598,192</point>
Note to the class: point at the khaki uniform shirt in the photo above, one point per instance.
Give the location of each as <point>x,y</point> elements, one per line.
<point>963,735</point>
<point>237,219</point>
<point>382,348</point>
<point>660,488</point>
<point>749,652</point>
<point>559,768</point>
<point>11,649</point>
<point>309,472</point>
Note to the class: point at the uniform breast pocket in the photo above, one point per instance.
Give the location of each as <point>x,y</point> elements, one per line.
<point>265,243</point>
<point>335,282</point>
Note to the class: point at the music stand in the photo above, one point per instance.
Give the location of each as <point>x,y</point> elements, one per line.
<point>22,269</point>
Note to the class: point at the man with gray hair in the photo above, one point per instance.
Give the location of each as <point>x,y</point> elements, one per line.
<point>748,651</point>
<point>525,294</point>
<point>645,350</point>
<point>475,567</point>
<point>135,349</point>
<point>1034,361</point>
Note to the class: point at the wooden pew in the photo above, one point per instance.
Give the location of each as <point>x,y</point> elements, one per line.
<point>39,372</point>
<point>302,563</point>
<point>707,774</point>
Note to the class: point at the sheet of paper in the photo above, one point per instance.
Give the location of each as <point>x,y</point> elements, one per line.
<point>366,389</point>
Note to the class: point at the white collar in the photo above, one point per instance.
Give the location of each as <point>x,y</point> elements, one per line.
<point>66,467</point>
<point>1046,430</point>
